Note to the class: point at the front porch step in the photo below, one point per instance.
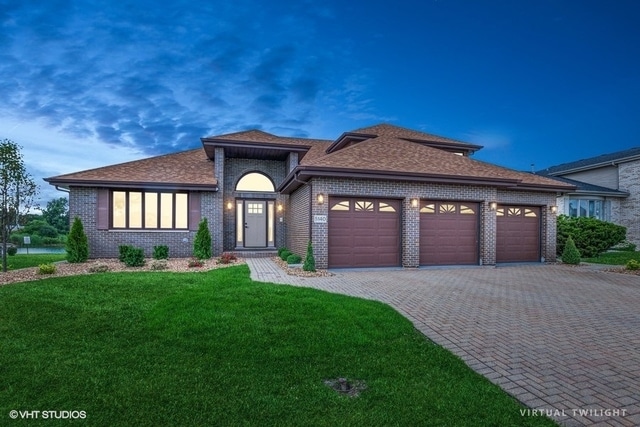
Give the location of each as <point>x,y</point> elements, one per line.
<point>260,253</point>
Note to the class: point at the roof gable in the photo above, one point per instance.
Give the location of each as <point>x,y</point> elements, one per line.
<point>392,131</point>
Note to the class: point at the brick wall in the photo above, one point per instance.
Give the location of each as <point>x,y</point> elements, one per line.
<point>234,169</point>
<point>298,220</point>
<point>406,191</point>
<point>104,243</point>
<point>629,213</point>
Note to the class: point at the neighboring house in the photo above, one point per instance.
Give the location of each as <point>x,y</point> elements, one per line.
<point>377,196</point>
<point>607,188</point>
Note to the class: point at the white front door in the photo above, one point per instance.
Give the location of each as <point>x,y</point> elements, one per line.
<point>255,224</point>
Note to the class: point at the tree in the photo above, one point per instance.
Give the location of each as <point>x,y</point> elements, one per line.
<point>17,191</point>
<point>309,260</point>
<point>77,243</point>
<point>57,214</point>
<point>570,254</point>
<point>202,242</point>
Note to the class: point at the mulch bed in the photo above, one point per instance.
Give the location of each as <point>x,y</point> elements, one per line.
<point>299,272</point>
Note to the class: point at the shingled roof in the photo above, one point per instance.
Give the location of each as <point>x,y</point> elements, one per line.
<point>593,162</point>
<point>186,169</point>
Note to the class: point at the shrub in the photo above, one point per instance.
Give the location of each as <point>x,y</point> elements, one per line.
<point>47,231</point>
<point>134,257</point>
<point>280,250</point>
<point>51,240</point>
<point>161,252</point>
<point>590,235</point>
<point>633,264</point>
<point>77,244</point>
<point>571,254</point>
<point>202,242</point>
<point>46,269</point>
<point>294,259</point>
<point>12,250</point>
<point>285,254</point>
<point>309,260</point>
<point>227,258</point>
<point>625,246</point>
<point>195,262</point>
<point>159,264</point>
<point>101,268</point>
<point>123,250</point>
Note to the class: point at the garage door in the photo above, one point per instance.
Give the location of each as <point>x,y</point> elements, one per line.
<point>518,234</point>
<point>448,233</point>
<point>364,232</point>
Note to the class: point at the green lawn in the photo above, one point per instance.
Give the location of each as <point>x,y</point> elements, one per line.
<point>614,258</point>
<point>215,348</point>
<point>15,262</point>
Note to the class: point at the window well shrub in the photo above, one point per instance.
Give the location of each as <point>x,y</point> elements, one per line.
<point>285,254</point>
<point>294,259</point>
<point>309,260</point>
<point>46,269</point>
<point>161,252</point>
<point>570,255</point>
<point>12,250</point>
<point>202,241</point>
<point>77,244</point>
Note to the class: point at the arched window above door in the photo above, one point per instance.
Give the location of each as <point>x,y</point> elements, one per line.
<point>255,181</point>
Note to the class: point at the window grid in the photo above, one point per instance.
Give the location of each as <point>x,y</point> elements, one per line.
<point>149,210</point>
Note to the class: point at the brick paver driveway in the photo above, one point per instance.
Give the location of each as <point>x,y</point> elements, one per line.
<point>562,340</point>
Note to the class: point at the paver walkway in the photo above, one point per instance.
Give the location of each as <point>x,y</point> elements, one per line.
<point>561,340</point>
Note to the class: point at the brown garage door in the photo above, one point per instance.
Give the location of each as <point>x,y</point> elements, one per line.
<point>448,233</point>
<point>364,232</point>
<point>518,234</point>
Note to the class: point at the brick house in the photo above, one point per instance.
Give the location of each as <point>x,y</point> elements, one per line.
<point>376,196</point>
<point>607,188</point>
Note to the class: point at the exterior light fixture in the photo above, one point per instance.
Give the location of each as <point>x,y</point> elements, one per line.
<point>229,205</point>
<point>493,206</point>
<point>320,199</point>
<point>279,207</point>
<point>414,203</point>
<point>553,209</point>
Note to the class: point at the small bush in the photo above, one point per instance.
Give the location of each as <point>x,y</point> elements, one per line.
<point>285,254</point>
<point>134,257</point>
<point>280,250</point>
<point>161,252</point>
<point>51,241</point>
<point>159,264</point>
<point>195,262</point>
<point>101,268</point>
<point>12,250</point>
<point>625,246</point>
<point>47,231</point>
<point>294,259</point>
<point>77,243</point>
<point>46,269</point>
<point>571,254</point>
<point>309,260</point>
<point>202,241</point>
<point>633,264</point>
<point>123,250</point>
<point>227,258</point>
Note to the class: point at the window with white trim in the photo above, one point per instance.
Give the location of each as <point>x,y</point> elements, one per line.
<point>591,208</point>
<point>149,210</point>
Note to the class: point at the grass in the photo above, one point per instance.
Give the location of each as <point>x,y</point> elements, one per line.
<point>614,257</point>
<point>15,262</point>
<point>216,348</point>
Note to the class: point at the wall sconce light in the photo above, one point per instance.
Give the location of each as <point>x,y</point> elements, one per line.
<point>320,199</point>
<point>493,206</point>
<point>279,207</point>
<point>414,203</point>
<point>553,209</point>
<point>229,205</point>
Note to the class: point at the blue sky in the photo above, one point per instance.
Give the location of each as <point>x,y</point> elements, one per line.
<point>91,83</point>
